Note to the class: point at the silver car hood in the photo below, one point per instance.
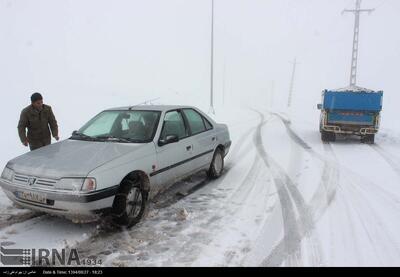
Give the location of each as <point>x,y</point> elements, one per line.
<point>69,158</point>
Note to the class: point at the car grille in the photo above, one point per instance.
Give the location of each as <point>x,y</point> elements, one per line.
<point>24,180</point>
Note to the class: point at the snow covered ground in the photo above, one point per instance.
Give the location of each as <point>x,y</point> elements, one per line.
<point>285,199</point>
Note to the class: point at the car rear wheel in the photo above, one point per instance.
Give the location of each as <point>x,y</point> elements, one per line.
<point>217,164</point>
<point>129,203</point>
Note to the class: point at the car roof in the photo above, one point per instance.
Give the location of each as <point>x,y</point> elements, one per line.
<point>149,108</point>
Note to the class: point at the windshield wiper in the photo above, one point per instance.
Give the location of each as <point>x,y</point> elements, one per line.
<point>112,138</point>
<point>82,136</point>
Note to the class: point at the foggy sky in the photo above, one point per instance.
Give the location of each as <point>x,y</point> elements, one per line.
<point>84,56</point>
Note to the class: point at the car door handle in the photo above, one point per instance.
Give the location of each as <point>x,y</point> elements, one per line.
<point>188,148</point>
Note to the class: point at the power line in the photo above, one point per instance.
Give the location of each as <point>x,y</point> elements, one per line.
<point>383,2</point>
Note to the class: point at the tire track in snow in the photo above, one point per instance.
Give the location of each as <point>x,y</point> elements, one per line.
<point>290,245</point>
<point>294,136</point>
<point>245,187</point>
<point>330,177</point>
<point>238,196</point>
<point>330,186</point>
<point>7,221</point>
<point>334,165</point>
<point>252,173</point>
<point>239,145</point>
<point>387,157</point>
<point>379,234</point>
<point>356,208</point>
<point>350,204</point>
<point>353,215</point>
<point>326,191</point>
<point>289,248</point>
<point>330,181</point>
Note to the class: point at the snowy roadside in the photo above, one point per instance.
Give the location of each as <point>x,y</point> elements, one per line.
<point>360,227</point>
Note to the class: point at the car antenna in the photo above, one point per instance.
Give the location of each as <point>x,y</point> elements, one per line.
<point>147,102</point>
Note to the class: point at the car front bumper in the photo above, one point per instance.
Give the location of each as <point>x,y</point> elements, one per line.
<point>66,203</point>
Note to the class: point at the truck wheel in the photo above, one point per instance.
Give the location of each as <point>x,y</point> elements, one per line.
<point>129,203</point>
<point>328,136</point>
<point>368,139</point>
<point>325,136</point>
<point>217,164</point>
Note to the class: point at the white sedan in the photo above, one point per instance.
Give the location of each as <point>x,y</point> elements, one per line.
<point>118,161</point>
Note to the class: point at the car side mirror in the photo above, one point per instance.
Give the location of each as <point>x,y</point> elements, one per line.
<point>319,106</point>
<point>168,139</point>
<point>74,132</point>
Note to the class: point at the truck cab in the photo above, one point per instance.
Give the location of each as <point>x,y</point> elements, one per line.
<point>350,111</point>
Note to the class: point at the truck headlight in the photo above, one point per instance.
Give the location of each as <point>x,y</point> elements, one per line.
<point>7,174</point>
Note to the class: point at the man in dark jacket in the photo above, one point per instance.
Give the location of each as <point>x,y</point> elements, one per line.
<point>39,119</point>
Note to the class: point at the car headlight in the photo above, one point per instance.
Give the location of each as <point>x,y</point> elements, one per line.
<point>89,184</point>
<point>77,184</point>
<point>7,174</point>
<point>71,184</point>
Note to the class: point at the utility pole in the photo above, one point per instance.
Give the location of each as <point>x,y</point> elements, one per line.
<point>212,110</point>
<point>295,63</point>
<point>354,57</point>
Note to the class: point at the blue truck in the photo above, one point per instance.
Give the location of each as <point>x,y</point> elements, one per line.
<point>350,111</point>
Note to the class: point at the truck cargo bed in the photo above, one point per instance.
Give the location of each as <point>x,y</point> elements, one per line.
<point>352,101</point>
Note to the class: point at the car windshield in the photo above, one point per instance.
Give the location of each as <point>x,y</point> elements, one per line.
<point>120,126</point>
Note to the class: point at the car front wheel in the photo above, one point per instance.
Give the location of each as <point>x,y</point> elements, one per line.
<point>217,164</point>
<point>129,203</point>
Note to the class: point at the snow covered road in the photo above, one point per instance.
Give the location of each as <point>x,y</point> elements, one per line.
<point>286,199</point>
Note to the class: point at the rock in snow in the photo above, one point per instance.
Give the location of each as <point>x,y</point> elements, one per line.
<point>182,214</point>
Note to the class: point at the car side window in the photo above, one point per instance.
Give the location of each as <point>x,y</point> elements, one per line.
<point>174,125</point>
<point>195,121</point>
<point>207,123</point>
